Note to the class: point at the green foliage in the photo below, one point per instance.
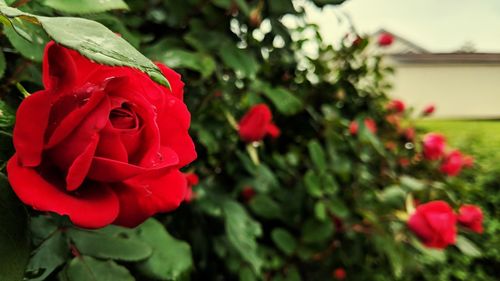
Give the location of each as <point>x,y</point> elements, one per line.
<point>14,234</point>
<point>324,198</point>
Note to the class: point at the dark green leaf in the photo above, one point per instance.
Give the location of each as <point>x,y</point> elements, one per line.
<point>86,6</point>
<point>284,101</point>
<point>51,254</point>
<point>265,207</point>
<point>242,232</point>
<point>108,247</point>
<point>14,234</point>
<point>202,63</point>
<point>171,258</point>
<point>3,64</point>
<point>284,240</point>
<point>317,155</point>
<point>315,231</point>
<point>240,60</point>
<point>313,184</point>
<point>31,50</point>
<point>85,268</point>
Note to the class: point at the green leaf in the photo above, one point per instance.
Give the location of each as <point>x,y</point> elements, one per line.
<point>265,207</point>
<point>393,195</point>
<point>284,240</point>
<point>93,40</point>
<point>51,254</point>
<point>3,64</point>
<point>31,50</point>
<point>320,210</point>
<point>108,247</point>
<point>85,268</point>
<point>242,232</point>
<point>317,155</point>
<point>240,60</point>
<point>315,231</point>
<point>171,258</point>
<point>14,234</point>
<point>338,207</point>
<point>412,184</point>
<point>313,184</point>
<point>467,247</point>
<point>86,6</point>
<point>202,63</point>
<point>284,101</point>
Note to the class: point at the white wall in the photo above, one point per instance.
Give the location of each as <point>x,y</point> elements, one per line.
<point>458,91</point>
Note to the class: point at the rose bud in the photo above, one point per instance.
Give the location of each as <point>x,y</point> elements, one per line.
<point>339,273</point>
<point>434,145</point>
<point>452,163</point>
<point>397,106</point>
<point>192,180</point>
<point>471,217</point>
<point>468,161</point>
<point>257,123</point>
<point>434,223</point>
<point>101,144</point>
<point>404,162</point>
<point>428,110</point>
<point>247,193</point>
<point>369,124</point>
<point>409,134</point>
<point>385,39</point>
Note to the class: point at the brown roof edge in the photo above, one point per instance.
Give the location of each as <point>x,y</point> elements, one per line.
<point>431,58</point>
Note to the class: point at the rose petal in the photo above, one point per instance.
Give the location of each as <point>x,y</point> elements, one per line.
<point>143,197</point>
<point>31,121</point>
<point>59,69</point>
<point>174,78</point>
<point>78,170</point>
<point>93,207</point>
<point>108,170</point>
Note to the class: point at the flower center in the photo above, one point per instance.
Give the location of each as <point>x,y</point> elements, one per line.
<point>123,118</point>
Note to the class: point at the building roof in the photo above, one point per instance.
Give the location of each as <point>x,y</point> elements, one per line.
<point>406,45</point>
<point>451,58</point>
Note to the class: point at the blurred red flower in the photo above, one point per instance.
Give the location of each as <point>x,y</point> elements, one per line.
<point>434,223</point>
<point>452,163</point>
<point>339,273</point>
<point>471,216</point>
<point>428,110</point>
<point>385,39</point>
<point>434,145</point>
<point>257,123</point>
<point>397,106</point>
<point>369,124</point>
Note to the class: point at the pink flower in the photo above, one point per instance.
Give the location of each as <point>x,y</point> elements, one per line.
<point>452,163</point>
<point>434,146</point>
<point>471,216</point>
<point>385,39</point>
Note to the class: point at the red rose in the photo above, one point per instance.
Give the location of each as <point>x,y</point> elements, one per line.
<point>434,223</point>
<point>471,216</point>
<point>369,124</point>
<point>101,144</point>
<point>452,163</point>
<point>434,146</point>
<point>192,180</point>
<point>385,39</point>
<point>397,106</point>
<point>428,110</point>
<point>257,123</point>
<point>339,273</point>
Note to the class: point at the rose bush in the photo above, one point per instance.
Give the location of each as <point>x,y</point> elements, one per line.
<point>101,144</point>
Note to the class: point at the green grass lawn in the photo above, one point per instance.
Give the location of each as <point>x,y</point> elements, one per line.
<point>480,138</point>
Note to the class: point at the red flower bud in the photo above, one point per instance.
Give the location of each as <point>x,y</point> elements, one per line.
<point>471,216</point>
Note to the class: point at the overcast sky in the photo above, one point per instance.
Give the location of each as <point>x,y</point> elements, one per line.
<point>437,25</point>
